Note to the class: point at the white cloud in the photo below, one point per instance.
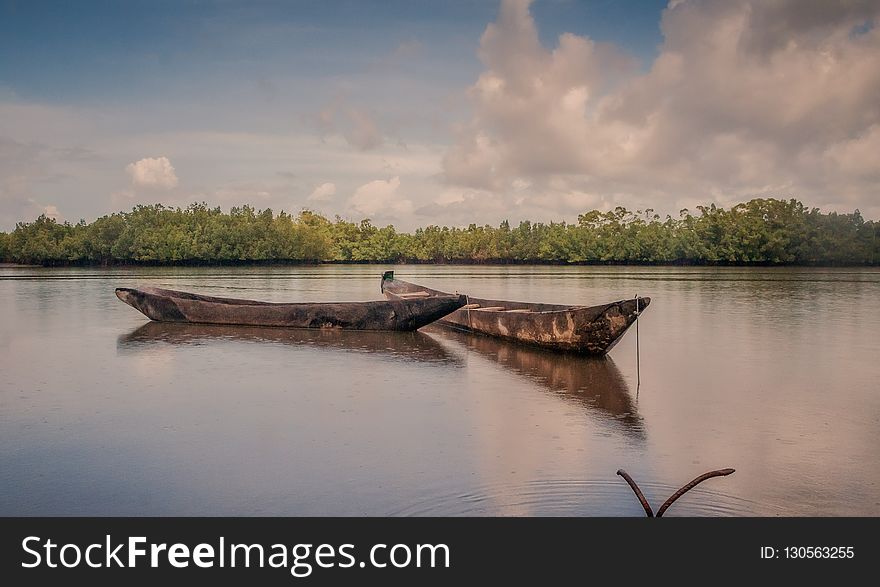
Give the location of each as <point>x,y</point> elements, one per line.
<point>325,191</point>
<point>745,98</point>
<point>379,200</point>
<point>52,212</point>
<point>152,172</point>
<point>461,207</point>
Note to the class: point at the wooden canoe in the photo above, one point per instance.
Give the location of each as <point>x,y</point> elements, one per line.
<point>165,305</point>
<point>587,330</point>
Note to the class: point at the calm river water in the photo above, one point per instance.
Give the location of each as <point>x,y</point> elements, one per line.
<point>774,372</point>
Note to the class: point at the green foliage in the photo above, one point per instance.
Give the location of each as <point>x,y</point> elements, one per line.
<point>4,246</point>
<point>761,231</point>
<point>42,241</point>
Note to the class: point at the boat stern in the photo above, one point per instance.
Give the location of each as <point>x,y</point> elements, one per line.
<point>386,277</point>
<point>152,306</point>
<point>432,309</point>
<point>126,295</point>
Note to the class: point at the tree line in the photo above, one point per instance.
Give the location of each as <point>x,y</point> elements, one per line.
<point>762,231</point>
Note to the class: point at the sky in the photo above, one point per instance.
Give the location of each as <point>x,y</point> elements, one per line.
<point>415,112</point>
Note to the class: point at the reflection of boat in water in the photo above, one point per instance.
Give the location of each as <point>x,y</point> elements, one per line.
<point>404,345</point>
<point>595,383</point>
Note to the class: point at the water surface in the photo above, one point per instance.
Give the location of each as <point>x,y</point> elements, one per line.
<point>773,372</point>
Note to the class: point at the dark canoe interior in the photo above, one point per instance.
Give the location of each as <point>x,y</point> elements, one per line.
<point>183,295</point>
<point>408,291</point>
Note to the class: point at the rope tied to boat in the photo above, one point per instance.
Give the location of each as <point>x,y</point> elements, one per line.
<point>467,298</point>
<point>638,361</point>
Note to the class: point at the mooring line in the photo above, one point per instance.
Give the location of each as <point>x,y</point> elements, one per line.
<point>638,358</point>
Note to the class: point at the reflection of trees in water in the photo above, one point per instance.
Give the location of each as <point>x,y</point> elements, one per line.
<point>595,383</point>
<point>404,345</point>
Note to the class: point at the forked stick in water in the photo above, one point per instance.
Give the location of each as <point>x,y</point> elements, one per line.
<point>634,486</point>
<point>648,511</point>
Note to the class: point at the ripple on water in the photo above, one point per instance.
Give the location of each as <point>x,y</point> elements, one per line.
<point>581,497</point>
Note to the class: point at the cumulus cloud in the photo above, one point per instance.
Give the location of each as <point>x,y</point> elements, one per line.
<point>52,212</point>
<point>379,200</point>
<point>152,172</point>
<point>325,191</point>
<point>745,98</point>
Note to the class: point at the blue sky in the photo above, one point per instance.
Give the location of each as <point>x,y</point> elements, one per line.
<point>417,112</point>
<point>70,52</point>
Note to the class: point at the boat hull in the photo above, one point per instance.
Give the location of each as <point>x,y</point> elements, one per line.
<point>176,306</point>
<point>587,330</point>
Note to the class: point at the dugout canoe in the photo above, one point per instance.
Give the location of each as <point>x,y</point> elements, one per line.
<point>165,305</point>
<point>586,330</point>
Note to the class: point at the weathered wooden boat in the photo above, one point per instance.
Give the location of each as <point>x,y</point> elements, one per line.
<point>588,330</point>
<point>165,305</point>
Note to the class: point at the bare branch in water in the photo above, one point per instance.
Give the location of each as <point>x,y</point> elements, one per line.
<point>648,511</point>
<point>691,485</point>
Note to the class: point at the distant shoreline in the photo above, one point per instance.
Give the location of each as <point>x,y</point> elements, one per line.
<point>760,232</point>
<point>493,263</point>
